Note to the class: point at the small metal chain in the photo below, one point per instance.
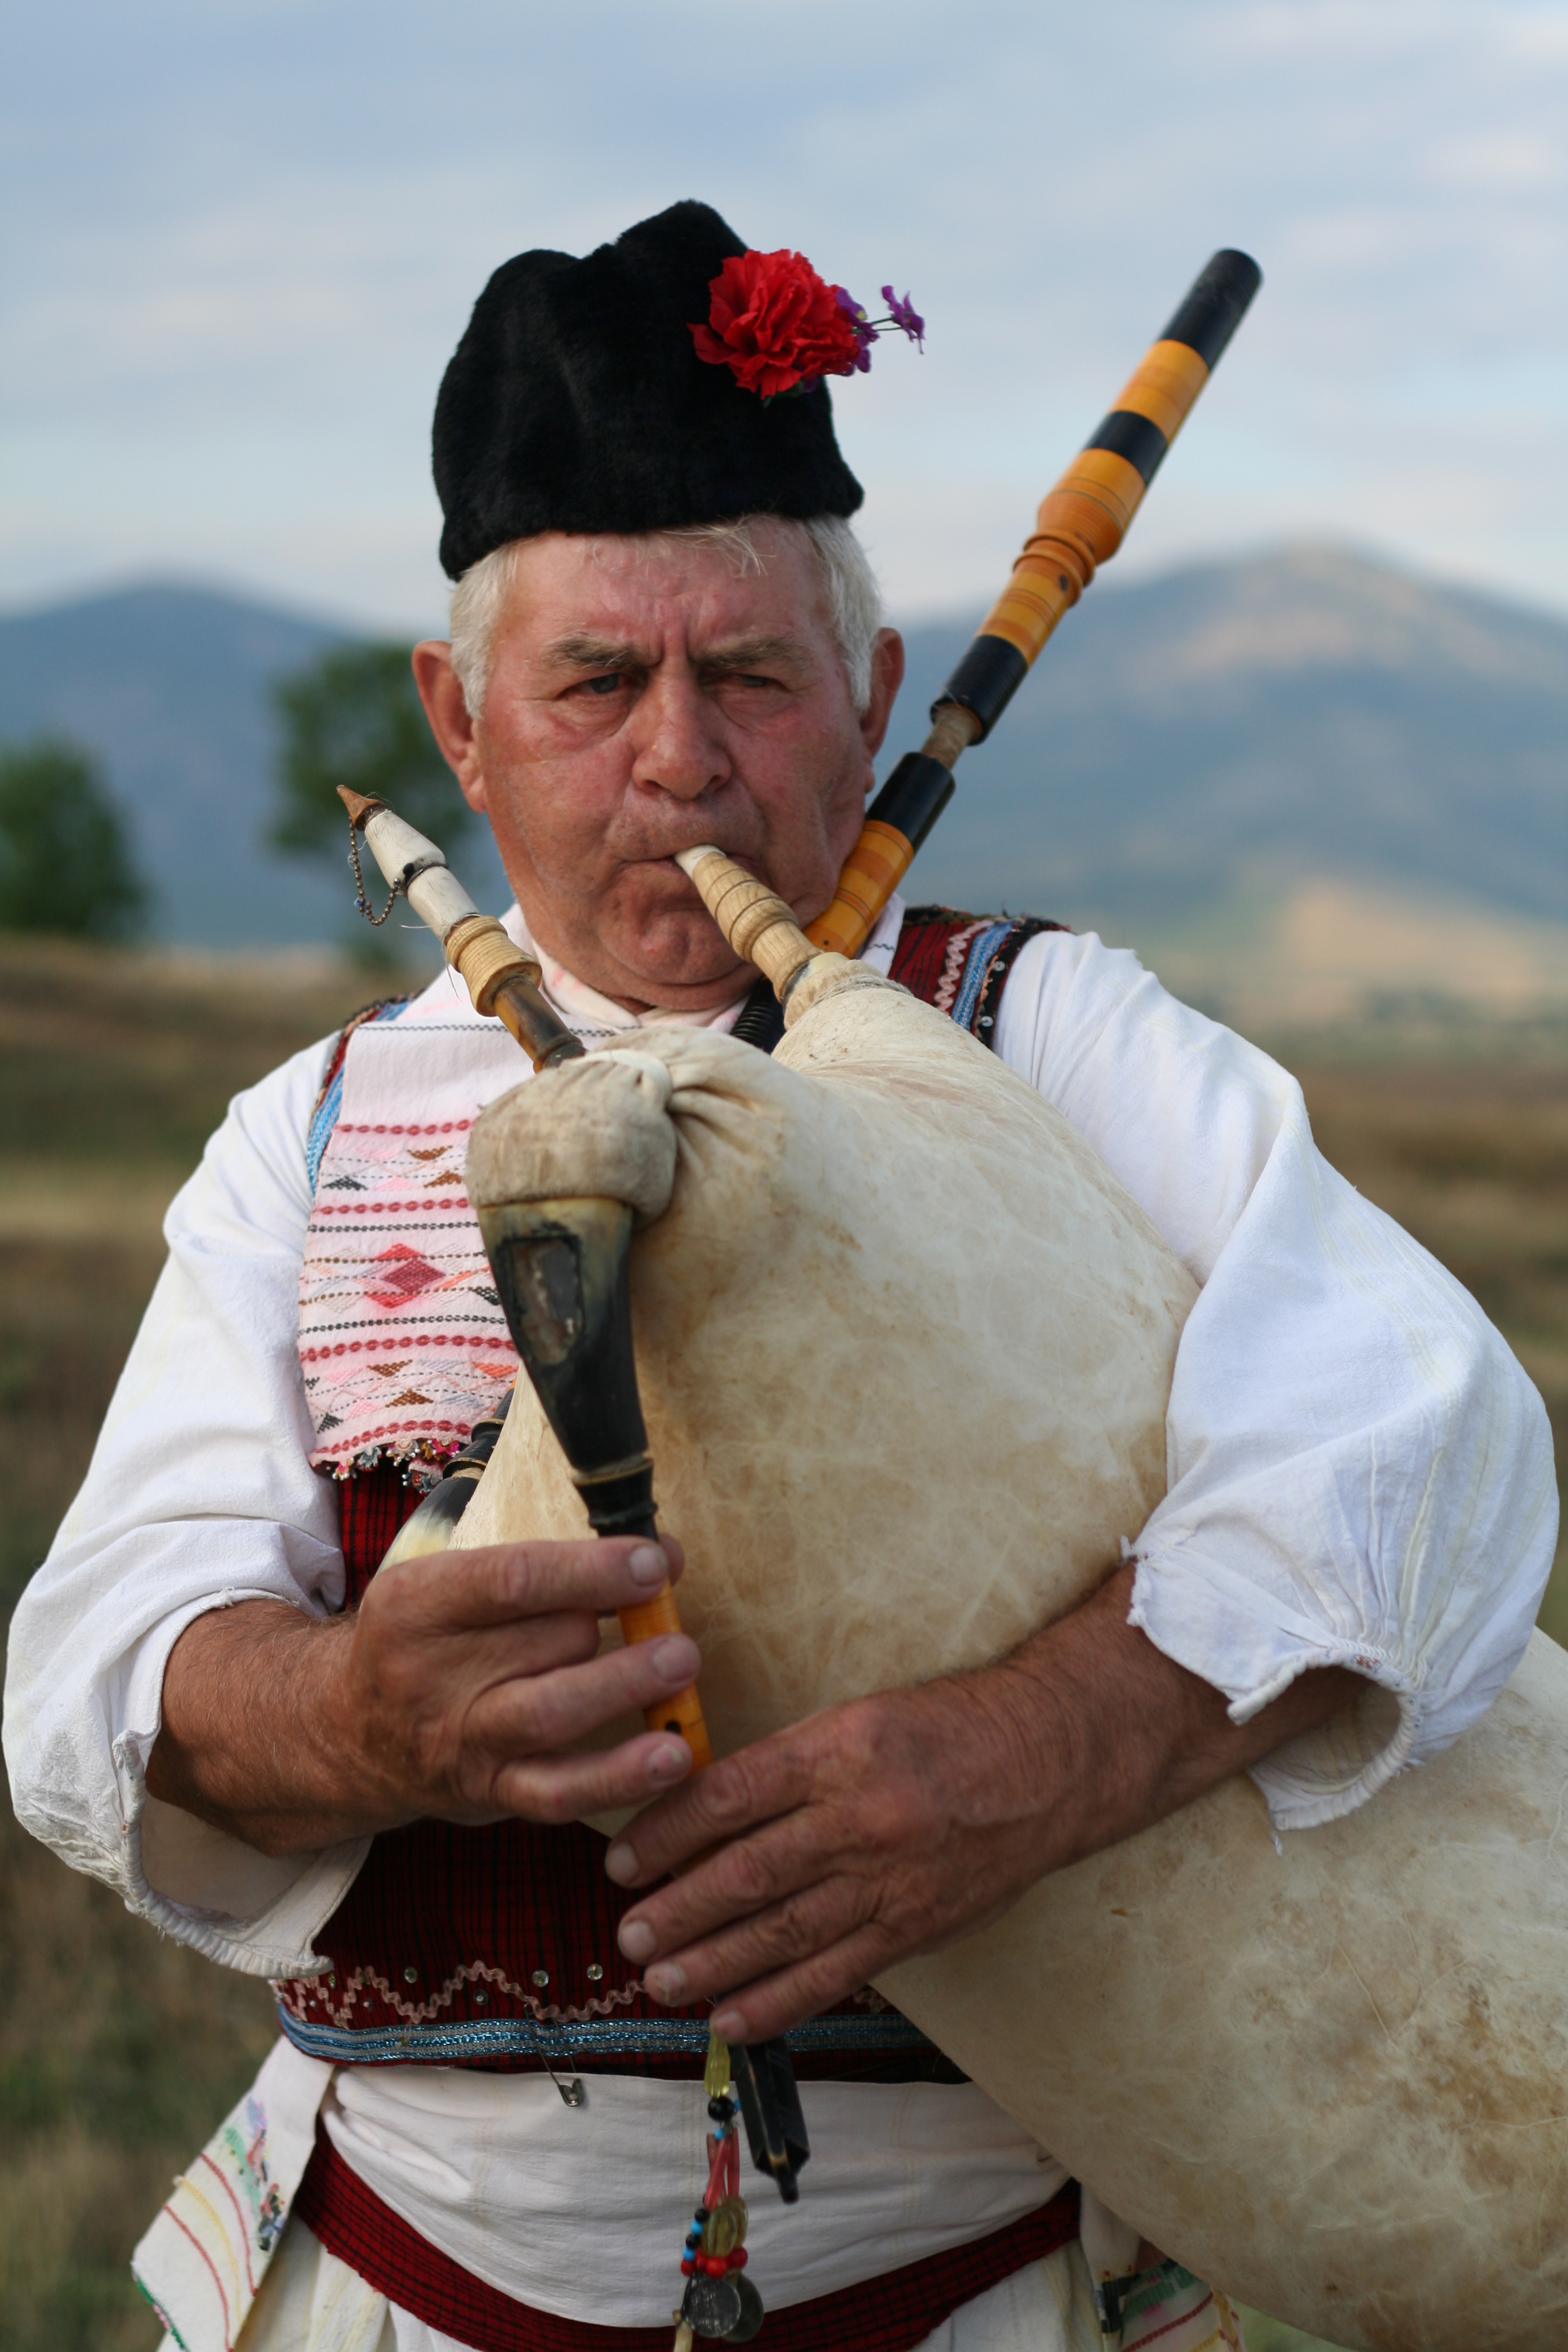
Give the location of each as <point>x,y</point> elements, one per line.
<point>361,901</point>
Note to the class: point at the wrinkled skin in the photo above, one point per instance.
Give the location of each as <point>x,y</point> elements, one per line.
<point>642,700</point>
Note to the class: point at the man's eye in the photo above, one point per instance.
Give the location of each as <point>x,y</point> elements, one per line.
<point>607,685</point>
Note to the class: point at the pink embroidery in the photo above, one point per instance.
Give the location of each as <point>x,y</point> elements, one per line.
<point>403,1344</point>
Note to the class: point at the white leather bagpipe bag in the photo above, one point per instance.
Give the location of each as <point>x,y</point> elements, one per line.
<point>905,1348</point>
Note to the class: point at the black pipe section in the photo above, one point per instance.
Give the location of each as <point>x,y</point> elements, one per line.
<point>915,795</point>
<point>1215,304</point>
<point>987,679</point>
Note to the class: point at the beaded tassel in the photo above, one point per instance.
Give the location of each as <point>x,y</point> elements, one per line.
<point>716,2304</point>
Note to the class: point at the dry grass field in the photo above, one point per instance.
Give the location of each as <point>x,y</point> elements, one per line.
<point>119,2052</point>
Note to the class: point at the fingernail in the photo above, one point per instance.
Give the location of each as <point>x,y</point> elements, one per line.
<point>648,1565</point>
<point>676,1661</point>
<point>621,1863</point>
<point>667,1765</point>
<point>667,1982</point>
<point>637,1940</point>
<point>729,2024</point>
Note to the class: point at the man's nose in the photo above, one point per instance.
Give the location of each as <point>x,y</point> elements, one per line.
<point>679,749</point>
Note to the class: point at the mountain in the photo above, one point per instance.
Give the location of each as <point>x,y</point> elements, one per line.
<point>1206,739</point>
<point>1233,727</point>
<point>172,687</point>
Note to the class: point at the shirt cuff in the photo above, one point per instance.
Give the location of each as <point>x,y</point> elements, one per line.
<point>1322,1774</point>
<point>254,1912</point>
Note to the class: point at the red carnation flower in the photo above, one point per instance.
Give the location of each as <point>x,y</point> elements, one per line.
<point>776,324</point>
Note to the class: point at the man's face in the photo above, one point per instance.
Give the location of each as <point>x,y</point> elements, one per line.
<point>646,695</point>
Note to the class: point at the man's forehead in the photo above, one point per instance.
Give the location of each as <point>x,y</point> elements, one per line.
<point>640,595</point>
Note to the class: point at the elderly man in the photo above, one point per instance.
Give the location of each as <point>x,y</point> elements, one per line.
<point>663,633</point>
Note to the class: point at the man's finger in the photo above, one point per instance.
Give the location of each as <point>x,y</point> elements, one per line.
<point>770,1866</point>
<point>540,1713</point>
<point>758,2012</point>
<point>496,1583</point>
<point>556,1788</point>
<point>737,1794</point>
<point>788,1934</point>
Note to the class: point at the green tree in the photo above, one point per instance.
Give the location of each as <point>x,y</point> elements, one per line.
<point>354,716</point>
<point>65,861</point>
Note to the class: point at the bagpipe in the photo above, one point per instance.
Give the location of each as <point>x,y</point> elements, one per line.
<point>1331,2080</point>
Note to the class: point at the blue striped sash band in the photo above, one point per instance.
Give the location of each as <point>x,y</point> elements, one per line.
<point>583,2042</point>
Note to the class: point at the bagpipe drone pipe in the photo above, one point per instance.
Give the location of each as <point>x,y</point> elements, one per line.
<point>899,1348</point>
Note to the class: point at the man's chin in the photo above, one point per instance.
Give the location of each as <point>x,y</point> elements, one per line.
<point>675,960</point>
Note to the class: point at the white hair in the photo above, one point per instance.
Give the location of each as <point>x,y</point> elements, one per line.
<point>848,583</point>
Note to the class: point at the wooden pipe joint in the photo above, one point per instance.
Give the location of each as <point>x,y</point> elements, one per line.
<point>479,949</point>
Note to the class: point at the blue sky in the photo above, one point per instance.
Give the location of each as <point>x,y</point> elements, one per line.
<point>243,236</point>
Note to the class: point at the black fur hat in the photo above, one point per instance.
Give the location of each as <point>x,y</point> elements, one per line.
<point>576,402</point>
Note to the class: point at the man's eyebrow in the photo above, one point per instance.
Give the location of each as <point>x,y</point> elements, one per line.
<point>751,653</point>
<point>581,652</point>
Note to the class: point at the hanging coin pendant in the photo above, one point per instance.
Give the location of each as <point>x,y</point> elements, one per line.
<point>751,2314</point>
<point>713,2306</point>
<point>725,2228</point>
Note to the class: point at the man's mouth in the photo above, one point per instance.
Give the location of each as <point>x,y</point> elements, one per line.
<point>740,857</point>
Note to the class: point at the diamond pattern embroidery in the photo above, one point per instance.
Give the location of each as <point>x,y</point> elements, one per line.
<point>402,1346</point>
<point>407,1275</point>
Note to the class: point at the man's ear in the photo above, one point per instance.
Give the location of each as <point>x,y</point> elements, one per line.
<point>886,677</point>
<point>447,712</point>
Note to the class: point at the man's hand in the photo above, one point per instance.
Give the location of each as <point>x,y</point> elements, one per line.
<point>453,1691</point>
<point>896,1824</point>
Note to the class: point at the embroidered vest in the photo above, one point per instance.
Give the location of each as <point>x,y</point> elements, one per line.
<point>495,1948</point>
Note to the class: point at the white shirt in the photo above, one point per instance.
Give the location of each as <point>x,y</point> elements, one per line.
<point>1360,1472</point>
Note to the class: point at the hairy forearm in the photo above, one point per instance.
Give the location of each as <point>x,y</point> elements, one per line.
<point>253,1737</point>
<point>1093,1706</point>
<point>459,1689</point>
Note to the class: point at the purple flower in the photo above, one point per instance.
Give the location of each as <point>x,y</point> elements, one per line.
<point>865,334</point>
<point>904,314</point>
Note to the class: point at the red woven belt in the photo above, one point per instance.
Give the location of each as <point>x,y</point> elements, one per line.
<point>889,2314</point>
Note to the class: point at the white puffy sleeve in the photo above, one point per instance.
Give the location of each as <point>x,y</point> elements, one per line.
<point>199,1494</point>
<point>1360,1472</point>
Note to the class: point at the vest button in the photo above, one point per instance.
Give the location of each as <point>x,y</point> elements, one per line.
<point>410,1976</point>
<point>594,1972</point>
<point>541,1977</point>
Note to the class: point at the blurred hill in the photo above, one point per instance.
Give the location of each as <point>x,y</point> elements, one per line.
<point>170,686</point>
<point>1194,750</point>
<point>1195,754</point>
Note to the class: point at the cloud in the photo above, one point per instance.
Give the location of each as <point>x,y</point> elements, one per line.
<point>245,237</point>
